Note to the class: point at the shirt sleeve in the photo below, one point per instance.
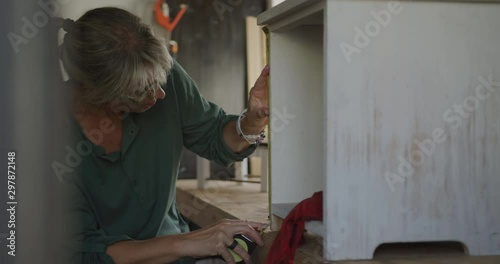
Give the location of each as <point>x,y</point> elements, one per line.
<point>89,241</point>
<point>203,122</point>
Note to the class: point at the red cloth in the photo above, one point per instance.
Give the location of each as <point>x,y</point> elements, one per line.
<point>291,234</point>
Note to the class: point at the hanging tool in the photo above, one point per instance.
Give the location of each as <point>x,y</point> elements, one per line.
<point>162,14</point>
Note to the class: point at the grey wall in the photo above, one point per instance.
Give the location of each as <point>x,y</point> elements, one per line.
<point>32,104</point>
<point>143,8</point>
<point>212,47</point>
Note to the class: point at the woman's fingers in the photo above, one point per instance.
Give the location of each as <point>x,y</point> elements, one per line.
<point>222,236</point>
<point>257,225</point>
<point>251,233</point>
<point>258,105</point>
<point>228,258</point>
<point>234,222</point>
<point>255,231</point>
<point>259,89</point>
<point>248,229</point>
<point>262,80</point>
<point>225,253</point>
<point>222,244</point>
<point>242,254</point>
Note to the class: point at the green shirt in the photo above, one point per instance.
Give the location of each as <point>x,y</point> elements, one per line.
<point>131,193</point>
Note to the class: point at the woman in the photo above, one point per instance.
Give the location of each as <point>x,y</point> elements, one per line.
<point>136,108</point>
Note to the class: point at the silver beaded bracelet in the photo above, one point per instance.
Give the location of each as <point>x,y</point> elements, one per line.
<point>251,139</point>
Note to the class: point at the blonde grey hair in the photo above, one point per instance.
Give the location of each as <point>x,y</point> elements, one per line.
<point>111,53</point>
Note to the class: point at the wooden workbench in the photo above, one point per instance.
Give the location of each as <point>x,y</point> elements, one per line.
<point>230,200</point>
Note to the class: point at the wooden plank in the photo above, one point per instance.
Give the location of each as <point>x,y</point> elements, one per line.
<point>198,211</point>
<point>264,179</point>
<point>255,54</point>
<point>221,200</point>
<point>255,51</point>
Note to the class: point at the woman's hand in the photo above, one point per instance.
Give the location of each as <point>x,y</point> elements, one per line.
<point>215,239</point>
<point>258,105</point>
<point>206,242</point>
<point>256,117</point>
